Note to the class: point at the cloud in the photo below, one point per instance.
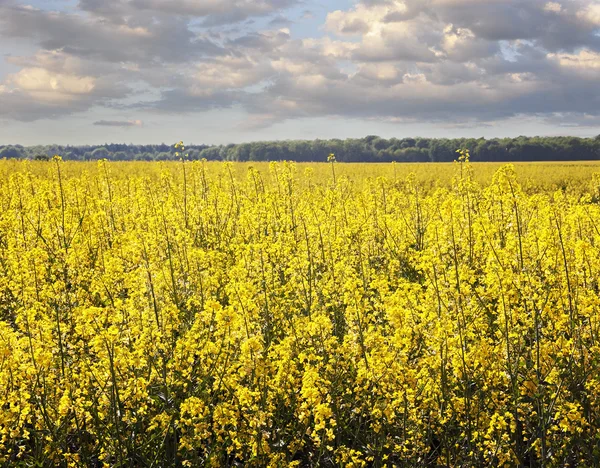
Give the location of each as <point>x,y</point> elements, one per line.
<point>280,21</point>
<point>229,73</point>
<point>35,93</point>
<point>213,12</point>
<point>119,123</point>
<point>180,101</point>
<point>147,40</point>
<point>461,45</point>
<point>457,61</point>
<point>263,42</point>
<point>583,60</point>
<point>556,25</point>
<point>47,86</point>
<point>440,60</point>
<point>22,106</point>
<point>573,120</point>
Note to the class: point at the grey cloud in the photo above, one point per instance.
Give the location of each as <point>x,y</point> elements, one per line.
<point>355,26</point>
<point>406,52</point>
<point>263,42</point>
<point>467,81</point>
<point>437,61</point>
<point>530,60</point>
<point>182,101</point>
<point>378,2</point>
<point>168,40</point>
<point>498,20</point>
<point>119,123</point>
<point>114,10</point>
<point>18,106</point>
<point>410,48</point>
<point>51,85</point>
<point>225,18</point>
<point>280,21</point>
<point>451,73</point>
<point>116,49</point>
<point>573,119</point>
<point>468,48</point>
<point>458,95</point>
<point>22,106</point>
<point>211,12</point>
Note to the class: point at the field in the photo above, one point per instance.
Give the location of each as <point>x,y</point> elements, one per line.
<point>219,314</point>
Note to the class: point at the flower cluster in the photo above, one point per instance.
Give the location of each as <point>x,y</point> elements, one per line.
<point>210,314</point>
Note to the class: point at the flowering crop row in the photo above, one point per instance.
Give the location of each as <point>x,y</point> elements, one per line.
<point>194,317</point>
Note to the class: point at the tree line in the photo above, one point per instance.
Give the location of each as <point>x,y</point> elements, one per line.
<point>369,149</point>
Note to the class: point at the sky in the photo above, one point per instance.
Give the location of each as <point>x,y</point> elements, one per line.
<point>227,71</point>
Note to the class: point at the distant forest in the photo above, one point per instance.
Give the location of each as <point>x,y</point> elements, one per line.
<point>368,149</point>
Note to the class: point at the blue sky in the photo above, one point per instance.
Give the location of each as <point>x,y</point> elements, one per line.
<point>208,71</point>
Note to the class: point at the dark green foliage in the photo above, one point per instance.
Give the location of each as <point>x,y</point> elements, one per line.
<point>369,149</point>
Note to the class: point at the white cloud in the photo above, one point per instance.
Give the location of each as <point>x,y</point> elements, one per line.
<point>584,59</point>
<point>462,45</point>
<point>328,47</point>
<point>56,61</point>
<point>45,85</point>
<point>230,73</point>
<point>380,73</point>
<point>591,13</point>
<point>350,23</point>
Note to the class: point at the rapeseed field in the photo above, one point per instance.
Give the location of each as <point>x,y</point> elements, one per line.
<point>220,314</point>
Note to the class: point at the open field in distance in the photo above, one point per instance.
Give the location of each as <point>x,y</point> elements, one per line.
<point>532,175</point>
